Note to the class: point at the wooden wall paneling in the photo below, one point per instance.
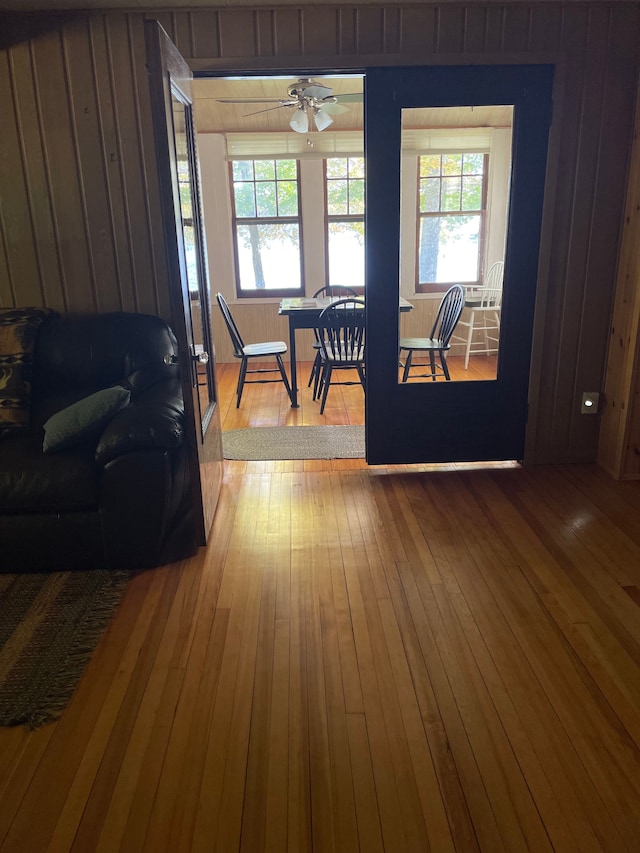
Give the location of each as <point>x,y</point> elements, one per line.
<point>418,28</point>
<point>347,31</point>
<point>545,28</point>
<point>118,288</point>
<point>450,29</point>
<point>265,32</point>
<point>619,437</point>
<point>44,285</point>
<point>61,155</point>
<point>578,242</point>
<point>141,254</point>
<point>287,32</point>
<point>237,33</point>
<point>516,30</point>
<point>206,35</point>
<point>320,31</point>
<point>154,294</point>
<point>90,135</point>
<point>371,30</point>
<point>474,32</point>
<point>182,32</point>
<point>566,250</point>
<point>615,131</point>
<point>494,29</point>
<point>19,259</point>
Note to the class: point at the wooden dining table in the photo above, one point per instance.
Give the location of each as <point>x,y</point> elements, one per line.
<point>304,313</point>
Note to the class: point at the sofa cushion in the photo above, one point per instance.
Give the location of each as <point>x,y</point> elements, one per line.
<point>31,481</point>
<point>83,419</point>
<point>18,330</point>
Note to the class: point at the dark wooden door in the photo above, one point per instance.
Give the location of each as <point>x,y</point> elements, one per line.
<point>177,164</point>
<point>451,421</point>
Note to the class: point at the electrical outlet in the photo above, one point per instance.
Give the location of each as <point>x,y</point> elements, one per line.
<point>590,401</point>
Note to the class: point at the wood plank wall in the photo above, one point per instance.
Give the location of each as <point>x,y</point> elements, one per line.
<point>619,442</point>
<point>79,226</point>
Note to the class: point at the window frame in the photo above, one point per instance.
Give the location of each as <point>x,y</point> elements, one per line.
<point>265,293</point>
<point>442,287</point>
<point>348,217</point>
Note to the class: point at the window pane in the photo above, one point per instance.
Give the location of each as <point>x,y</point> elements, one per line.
<point>286,170</point>
<point>450,194</point>
<point>242,170</point>
<point>430,195</point>
<point>346,253</point>
<point>269,256</point>
<point>448,250</point>
<point>472,193</point>
<point>356,167</point>
<point>429,165</point>
<point>287,198</point>
<point>245,202</point>
<point>356,197</point>
<point>451,164</point>
<point>337,199</point>
<point>266,199</point>
<point>473,164</point>
<point>265,170</point>
<point>336,167</point>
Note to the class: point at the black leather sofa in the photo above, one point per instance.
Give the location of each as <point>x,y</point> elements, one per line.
<point>119,499</point>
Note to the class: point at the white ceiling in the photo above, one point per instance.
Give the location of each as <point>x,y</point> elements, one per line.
<point>212,116</point>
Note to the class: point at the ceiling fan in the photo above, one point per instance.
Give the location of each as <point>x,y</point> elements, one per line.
<point>308,98</point>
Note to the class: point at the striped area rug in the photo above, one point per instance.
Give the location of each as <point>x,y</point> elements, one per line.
<point>49,627</point>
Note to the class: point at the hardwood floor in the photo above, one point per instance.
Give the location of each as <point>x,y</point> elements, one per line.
<point>408,659</point>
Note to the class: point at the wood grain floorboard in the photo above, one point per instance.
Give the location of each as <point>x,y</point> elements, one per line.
<point>396,658</point>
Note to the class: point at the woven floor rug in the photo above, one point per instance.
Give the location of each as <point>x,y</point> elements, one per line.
<point>49,627</point>
<point>302,442</point>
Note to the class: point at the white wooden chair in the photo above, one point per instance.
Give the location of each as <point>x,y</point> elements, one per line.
<point>484,304</point>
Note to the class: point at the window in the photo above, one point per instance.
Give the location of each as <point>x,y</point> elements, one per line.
<point>344,188</point>
<point>266,227</point>
<point>452,192</point>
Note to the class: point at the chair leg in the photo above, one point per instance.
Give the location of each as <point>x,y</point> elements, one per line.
<point>361,375</point>
<point>407,366</point>
<point>241,377</point>
<point>314,369</point>
<point>443,362</point>
<point>317,380</point>
<point>432,364</point>
<point>284,376</point>
<point>469,339</point>
<point>326,381</point>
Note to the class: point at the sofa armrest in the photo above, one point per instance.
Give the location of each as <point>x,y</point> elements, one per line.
<point>153,421</point>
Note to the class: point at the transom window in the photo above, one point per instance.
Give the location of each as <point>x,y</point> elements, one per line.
<point>266,227</point>
<point>452,193</point>
<point>344,193</point>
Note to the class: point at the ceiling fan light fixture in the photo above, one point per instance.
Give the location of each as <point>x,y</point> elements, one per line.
<point>322,119</point>
<point>300,120</point>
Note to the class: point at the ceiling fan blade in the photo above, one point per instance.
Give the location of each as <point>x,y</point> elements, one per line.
<point>350,98</point>
<point>249,100</point>
<point>269,109</point>
<point>316,90</point>
<point>334,109</point>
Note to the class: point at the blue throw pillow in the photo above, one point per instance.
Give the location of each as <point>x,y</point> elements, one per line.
<point>83,419</point>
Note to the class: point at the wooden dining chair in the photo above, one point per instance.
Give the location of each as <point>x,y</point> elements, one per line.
<point>341,332</point>
<point>245,352</point>
<point>337,291</point>
<point>439,338</point>
<point>484,305</point>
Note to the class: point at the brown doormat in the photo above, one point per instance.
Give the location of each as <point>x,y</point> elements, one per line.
<point>49,627</point>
